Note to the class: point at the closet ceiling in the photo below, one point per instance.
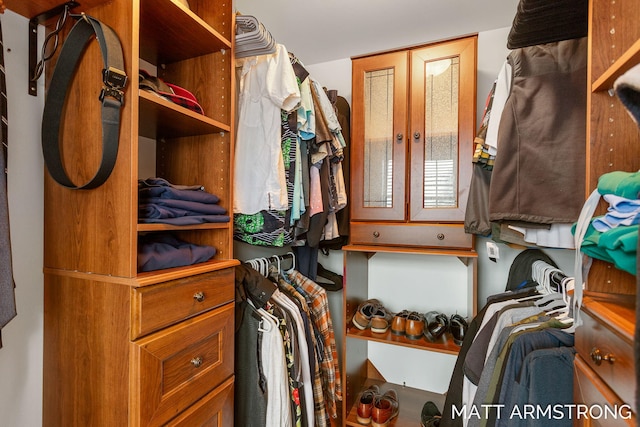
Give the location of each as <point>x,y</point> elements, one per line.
<point>326,30</point>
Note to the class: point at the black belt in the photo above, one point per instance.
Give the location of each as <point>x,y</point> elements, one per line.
<point>114,78</point>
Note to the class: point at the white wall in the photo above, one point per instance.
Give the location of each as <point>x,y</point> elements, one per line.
<point>21,355</point>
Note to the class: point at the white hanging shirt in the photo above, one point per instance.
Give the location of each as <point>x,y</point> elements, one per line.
<point>267,85</point>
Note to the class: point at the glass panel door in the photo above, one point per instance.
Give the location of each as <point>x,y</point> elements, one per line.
<point>442,127</point>
<point>379,137</point>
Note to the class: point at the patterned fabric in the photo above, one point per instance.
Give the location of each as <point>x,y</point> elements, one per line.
<point>7,285</point>
<point>481,153</point>
<point>271,227</point>
<point>332,384</point>
<point>290,358</point>
<point>318,394</point>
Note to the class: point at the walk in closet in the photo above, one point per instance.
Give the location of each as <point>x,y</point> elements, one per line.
<point>123,345</point>
<point>239,330</point>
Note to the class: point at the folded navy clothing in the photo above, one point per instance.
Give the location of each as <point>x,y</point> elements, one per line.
<point>158,251</point>
<point>173,193</point>
<point>195,207</point>
<point>161,182</point>
<point>186,220</point>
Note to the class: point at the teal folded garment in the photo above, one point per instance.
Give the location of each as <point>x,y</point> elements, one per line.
<point>623,184</point>
<point>617,246</point>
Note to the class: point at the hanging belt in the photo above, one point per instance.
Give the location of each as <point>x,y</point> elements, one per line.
<point>114,78</point>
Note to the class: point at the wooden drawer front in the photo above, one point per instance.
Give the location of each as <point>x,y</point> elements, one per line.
<point>588,389</point>
<point>158,306</point>
<point>176,367</point>
<point>426,235</point>
<point>620,374</point>
<point>215,409</point>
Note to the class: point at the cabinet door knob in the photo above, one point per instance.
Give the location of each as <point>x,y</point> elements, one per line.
<point>597,356</point>
<point>416,136</point>
<point>199,296</point>
<point>376,234</point>
<point>196,362</point>
<point>399,137</point>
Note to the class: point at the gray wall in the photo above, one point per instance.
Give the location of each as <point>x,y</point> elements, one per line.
<point>21,355</point>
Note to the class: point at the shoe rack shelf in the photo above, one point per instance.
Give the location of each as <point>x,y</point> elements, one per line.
<point>361,284</point>
<point>444,345</point>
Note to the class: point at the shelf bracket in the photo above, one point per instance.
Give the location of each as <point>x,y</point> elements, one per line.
<point>33,40</point>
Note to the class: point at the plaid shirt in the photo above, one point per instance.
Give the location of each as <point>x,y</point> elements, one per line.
<point>320,413</point>
<point>319,304</point>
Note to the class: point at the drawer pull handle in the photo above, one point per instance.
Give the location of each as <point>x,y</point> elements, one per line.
<point>598,357</point>
<point>196,362</point>
<point>440,236</point>
<point>199,296</point>
<point>376,234</point>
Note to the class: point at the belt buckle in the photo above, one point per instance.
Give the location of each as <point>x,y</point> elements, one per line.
<point>115,80</point>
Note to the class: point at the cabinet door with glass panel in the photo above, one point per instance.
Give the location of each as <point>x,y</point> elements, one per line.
<point>412,133</point>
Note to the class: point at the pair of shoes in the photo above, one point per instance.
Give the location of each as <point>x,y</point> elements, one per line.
<point>458,328</point>
<point>409,323</point>
<point>375,408</point>
<point>436,325</point>
<point>399,322</point>
<point>371,313</point>
<point>385,409</point>
<point>430,416</point>
<point>365,404</point>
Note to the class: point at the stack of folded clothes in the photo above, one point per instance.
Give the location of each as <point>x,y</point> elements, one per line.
<point>163,250</point>
<point>163,202</point>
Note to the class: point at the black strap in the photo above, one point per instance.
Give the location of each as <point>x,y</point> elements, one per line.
<point>111,96</point>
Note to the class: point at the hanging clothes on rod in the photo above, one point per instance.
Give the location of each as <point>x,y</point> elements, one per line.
<point>269,298</point>
<point>511,347</point>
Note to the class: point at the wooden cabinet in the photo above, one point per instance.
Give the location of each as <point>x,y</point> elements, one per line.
<point>612,145</point>
<point>604,366</point>
<point>122,347</point>
<point>413,121</point>
<point>412,135</point>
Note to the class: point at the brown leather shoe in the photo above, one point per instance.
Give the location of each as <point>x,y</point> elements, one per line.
<point>414,327</point>
<point>380,320</point>
<point>366,310</point>
<point>365,404</point>
<point>399,322</point>
<point>385,408</point>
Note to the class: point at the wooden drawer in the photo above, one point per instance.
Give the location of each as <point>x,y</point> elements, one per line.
<point>215,409</point>
<point>174,368</point>
<point>589,390</point>
<point>402,234</point>
<point>593,335</point>
<point>158,306</point>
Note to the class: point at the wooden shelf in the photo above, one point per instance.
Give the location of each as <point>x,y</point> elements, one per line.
<point>630,58</point>
<point>175,33</point>
<point>411,400</point>
<point>159,276</point>
<point>444,345</point>
<point>411,250</point>
<point>169,227</point>
<point>32,8</point>
<point>160,118</point>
